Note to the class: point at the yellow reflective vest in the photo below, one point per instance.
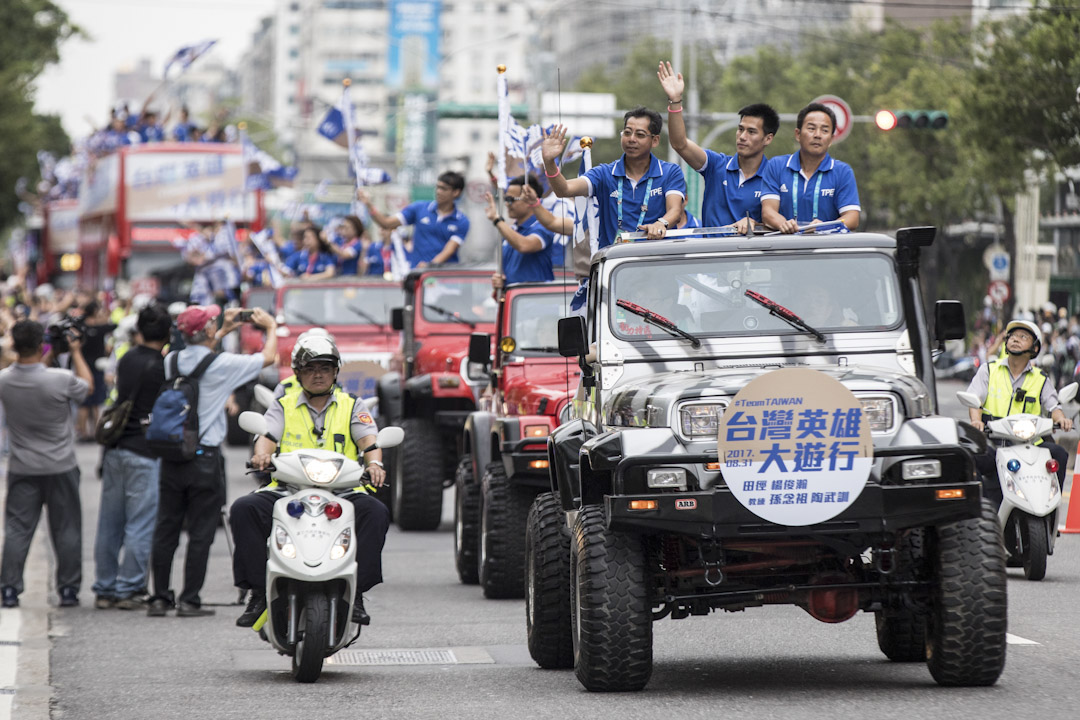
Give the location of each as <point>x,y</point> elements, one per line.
<point>299,429</point>
<point>1001,399</point>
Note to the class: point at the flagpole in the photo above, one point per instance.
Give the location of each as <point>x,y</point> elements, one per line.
<point>504,119</point>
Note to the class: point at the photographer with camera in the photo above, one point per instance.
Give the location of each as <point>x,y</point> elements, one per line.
<point>43,468</point>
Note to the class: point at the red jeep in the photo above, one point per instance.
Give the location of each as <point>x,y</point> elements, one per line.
<point>437,388</point>
<point>504,465</point>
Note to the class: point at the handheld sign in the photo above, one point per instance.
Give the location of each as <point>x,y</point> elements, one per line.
<point>795,448</point>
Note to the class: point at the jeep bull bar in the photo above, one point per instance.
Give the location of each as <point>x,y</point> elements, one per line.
<point>882,507</point>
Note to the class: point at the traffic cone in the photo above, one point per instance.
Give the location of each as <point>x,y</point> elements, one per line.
<point>1072,519</point>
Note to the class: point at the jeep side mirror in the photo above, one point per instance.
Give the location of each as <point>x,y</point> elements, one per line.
<point>949,323</point>
<point>572,337</point>
<point>397,318</point>
<point>480,348</point>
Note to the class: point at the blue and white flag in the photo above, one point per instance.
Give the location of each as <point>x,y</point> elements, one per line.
<point>265,245</point>
<point>399,258</point>
<point>187,55</point>
<point>332,127</point>
<point>587,209</point>
<point>263,171</point>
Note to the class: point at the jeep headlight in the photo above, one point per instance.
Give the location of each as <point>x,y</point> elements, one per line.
<point>701,420</point>
<point>320,472</point>
<point>666,478</point>
<point>880,412</point>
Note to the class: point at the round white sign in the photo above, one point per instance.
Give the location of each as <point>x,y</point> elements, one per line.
<point>795,447</point>
<point>843,114</point>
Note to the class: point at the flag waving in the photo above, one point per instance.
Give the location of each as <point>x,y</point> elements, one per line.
<point>187,55</point>
<point>587,208</point>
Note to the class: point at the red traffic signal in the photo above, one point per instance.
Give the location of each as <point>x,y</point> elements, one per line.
<point>885,119</point>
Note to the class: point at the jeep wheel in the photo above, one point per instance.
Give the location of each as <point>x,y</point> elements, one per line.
<point>1035,543</point>
<point>612,614</point>
<point>418,487</point>
<point>466,522</point>
<point>965,633</point>
<point>547,584</point>
<point>901,632</point>
<point>504,510</point>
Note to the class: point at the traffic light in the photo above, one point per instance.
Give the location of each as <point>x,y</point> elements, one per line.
<point>912,119</point>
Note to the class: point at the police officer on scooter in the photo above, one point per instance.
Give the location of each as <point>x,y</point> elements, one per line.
<point>1014,385</point>
<point>318,415</point>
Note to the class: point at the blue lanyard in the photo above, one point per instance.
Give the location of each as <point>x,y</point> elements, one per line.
<point>644,204</point>
<point>795,194</point>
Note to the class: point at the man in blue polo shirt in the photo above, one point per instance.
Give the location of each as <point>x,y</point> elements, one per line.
<point>732,182</point>
<point>810,187</point>
<point>439,228</point>
<point>637,192</point>
<point>526,244</point>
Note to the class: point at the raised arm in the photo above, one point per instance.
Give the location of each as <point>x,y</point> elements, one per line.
<point>674,86</point>
<point>550,221</point>
<point>552,149</point>
<point>388,222</point>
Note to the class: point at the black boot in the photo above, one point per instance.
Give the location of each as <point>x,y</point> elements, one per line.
<point>256,606</point>
<point>359,614</point>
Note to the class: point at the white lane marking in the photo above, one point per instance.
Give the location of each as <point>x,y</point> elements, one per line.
<point>1017,640</point>
<point>10,624</point>
<point>6,704</point>
<point>9,661</point>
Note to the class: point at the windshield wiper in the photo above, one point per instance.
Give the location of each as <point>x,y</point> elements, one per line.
<point>659,321</point>
<point>546,349</point>
<point>451,315</point>
<point>302,317</point>
<point>784,314</point>
<point>365,316</point>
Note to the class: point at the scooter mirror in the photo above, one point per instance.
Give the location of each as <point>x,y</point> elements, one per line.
<point>390,437</point>
<point>253,423</point>
<point>1067,393</point>
<point>264,396</point>
<point>967,399</point>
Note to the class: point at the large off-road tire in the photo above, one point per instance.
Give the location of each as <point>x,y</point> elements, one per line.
<point>965,633</point>
<point>466,522</point>
<point>307,660</point>
<point>901,632</point>
<point>504,510</point>
<point>547,584</point>
<point>417,487</point>
<point>612,613</point>
<point>1036,542</point>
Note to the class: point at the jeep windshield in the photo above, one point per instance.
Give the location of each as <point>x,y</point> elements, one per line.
<point>458,299</point>
<point>534,322</point>
<point>707,296</point>
<point>322,305</point>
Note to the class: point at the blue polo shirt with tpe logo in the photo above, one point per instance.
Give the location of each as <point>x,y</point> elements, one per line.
<point>431,232</point>
<point>604,182</point>
<point>528,267</point>
<point>728,196</point>
<point>837,192</point>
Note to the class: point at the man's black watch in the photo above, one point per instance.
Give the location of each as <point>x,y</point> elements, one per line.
<point>498,220</point>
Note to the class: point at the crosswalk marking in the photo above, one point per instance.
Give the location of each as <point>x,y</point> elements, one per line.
<point>1017,640</point>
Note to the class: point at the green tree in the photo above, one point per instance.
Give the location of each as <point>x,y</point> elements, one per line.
<point>30,35</point>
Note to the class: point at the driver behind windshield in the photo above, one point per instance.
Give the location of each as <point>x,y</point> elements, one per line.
<point>1015,385</point>
<point>661,296</point>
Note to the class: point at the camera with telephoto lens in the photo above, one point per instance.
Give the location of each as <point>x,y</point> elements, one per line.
<point>60,334</point>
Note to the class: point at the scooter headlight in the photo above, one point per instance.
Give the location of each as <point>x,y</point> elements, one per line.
<point>341,545</point>
<point>1023,429</point>
<point>321,472</point>
<point>284,543</point>
<point>1012,487</point>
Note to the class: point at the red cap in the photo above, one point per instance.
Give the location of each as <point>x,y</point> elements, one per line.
<point>196,318</point>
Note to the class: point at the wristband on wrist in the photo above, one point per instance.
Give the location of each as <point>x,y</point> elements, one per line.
<point>498,220</point>
<point>369,463</point>
<point>557,171</point>
<point>675,102</point>
<point>535,204</point>
<point>673,111</point>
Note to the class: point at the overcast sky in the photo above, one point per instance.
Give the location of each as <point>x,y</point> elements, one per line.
<point>123,31</point>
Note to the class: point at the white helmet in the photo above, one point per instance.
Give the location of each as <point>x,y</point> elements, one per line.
<point>314,348</point>
<point>1029,327</point>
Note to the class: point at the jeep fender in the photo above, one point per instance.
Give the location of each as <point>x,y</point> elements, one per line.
<point>477,441</point>
<point>391,401</point>
<point>931,430</point>
<point>505,430</point>
<point>600,456</point>
<point>564,447</point>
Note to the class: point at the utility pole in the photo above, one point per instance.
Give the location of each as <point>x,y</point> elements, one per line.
<point>676,60</point>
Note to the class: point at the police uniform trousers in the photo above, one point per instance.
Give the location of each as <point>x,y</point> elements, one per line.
<point>251,520</point>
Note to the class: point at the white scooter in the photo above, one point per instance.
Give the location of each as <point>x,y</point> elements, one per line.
<point>311,560</point>
<point>1029,484</point>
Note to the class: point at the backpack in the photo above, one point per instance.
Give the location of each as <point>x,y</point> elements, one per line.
<point>173,433</point>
